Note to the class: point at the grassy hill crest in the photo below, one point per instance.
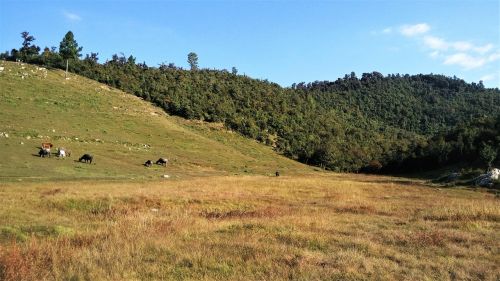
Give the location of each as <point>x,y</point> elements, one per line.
<point>120,130</point>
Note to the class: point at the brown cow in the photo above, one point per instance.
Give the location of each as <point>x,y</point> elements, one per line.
<point>47,145</point>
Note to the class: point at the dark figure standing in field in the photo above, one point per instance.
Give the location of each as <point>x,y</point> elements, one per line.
<point>87,158</point>
<point>148,163</point>
<point>277,173</point>
<point>162,161</point>
<point>44,152</point>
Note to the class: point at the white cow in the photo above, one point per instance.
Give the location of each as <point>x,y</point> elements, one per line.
<point>61,153</point>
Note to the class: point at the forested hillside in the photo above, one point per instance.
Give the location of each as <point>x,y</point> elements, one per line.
<point>373,123</point>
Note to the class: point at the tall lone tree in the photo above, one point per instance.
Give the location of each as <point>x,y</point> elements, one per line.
<point>68,48</point>
<point>193,61</point>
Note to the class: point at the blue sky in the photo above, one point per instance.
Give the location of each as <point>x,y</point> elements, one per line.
<point>282,41</point>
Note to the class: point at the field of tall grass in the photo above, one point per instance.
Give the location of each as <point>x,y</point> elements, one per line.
<point>309,227</point>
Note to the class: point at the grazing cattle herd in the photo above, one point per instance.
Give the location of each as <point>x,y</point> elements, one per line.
<point>86,158</point>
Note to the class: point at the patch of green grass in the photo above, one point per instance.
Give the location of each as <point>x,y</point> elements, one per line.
<point>8,233</point>
<point>22,233</point>
<point>96,206</point>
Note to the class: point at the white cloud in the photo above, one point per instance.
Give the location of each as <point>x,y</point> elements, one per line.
<point>387,30</point>
<point>464,60</point>
<point>435,43</point>
<point>461,46</point>
<point>462,53</point>
<point>434,54</point>
<point>488,77</point>
<point>494,57</point>
<point>484,49</point>
<point>413,30</point>
<point>71,16</point>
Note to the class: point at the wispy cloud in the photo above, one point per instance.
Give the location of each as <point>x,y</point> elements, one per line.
<point>387,30</point>
<point>464,60</point>
<point>488,77</point>
<point>71,16</point>
<point>494,57</point>
<point>434,54</point>
<point>437,43</point>
<point>414,30</point>
<point>461,53</point>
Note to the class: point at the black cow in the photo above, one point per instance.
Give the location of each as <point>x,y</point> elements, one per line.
<point>148,163</point>
<point>162,161</point>
<point>87,158</point>
<point>277,173</point>
<point>44,152</point>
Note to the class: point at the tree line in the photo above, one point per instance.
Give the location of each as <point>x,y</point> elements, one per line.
<point>375,123</point>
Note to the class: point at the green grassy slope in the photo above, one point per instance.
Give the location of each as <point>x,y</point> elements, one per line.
<point>119,129</point>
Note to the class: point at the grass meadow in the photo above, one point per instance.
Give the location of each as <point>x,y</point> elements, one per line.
<point>310,227</point>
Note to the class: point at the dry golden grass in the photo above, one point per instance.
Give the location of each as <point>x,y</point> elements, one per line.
<point>313,227</point>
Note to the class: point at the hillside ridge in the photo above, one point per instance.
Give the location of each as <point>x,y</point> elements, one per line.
<point>121,130</point>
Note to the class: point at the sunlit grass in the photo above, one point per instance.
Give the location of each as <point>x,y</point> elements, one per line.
<point>334,227</point>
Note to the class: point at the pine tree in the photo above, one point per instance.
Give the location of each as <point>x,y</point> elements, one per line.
<point>68,48</point>
<point>193,61</point>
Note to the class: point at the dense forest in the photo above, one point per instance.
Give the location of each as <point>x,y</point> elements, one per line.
<point>372,123</point>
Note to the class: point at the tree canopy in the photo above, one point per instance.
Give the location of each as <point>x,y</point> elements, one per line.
<point>68,48</point>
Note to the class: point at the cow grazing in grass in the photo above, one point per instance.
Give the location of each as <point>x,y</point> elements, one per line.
<point>87,158</point>
<point>148,163</point>
<point>162,161</point>
<point>44,152</point>
<point>47,146</point>
<point>277,173</point>
<point>61,152</point>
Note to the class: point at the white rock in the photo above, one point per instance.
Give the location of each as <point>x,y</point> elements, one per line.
<point>494,173</point>
<point>154,210</point>
<point>166,176</point>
